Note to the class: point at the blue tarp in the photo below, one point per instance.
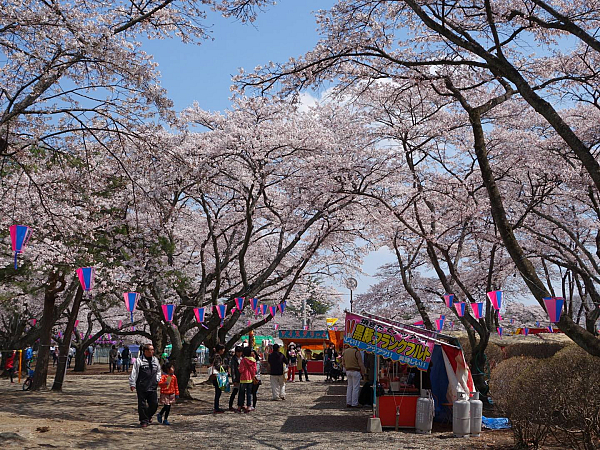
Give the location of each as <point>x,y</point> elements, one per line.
<point>497,423</point>
<point>439,385</point>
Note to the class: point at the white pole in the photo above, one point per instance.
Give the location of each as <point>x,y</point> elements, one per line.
<point>376,368</point>
<point>303,312</point>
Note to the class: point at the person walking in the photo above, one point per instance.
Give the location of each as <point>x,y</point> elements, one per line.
<point>217,365</point>
<point>234,370</point>
<point>144,378</point>
<point>71,356</point>
<point>276,362</point>
<point>330,356</point>
<point>256,382</point>
<point>90,356</point>
<point>301,366</point>
<point>247,373</point>
<point>9,365</point>
<point>355,369</point>
<point>54,357</point>
<point>126,356</point>
<point>293,360</point>
<point>169,392</point>
<point>113,354</point>
<point>193,366</point>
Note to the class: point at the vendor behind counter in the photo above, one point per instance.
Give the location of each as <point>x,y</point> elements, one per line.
<point>415,379</point>
<point>408,377</point>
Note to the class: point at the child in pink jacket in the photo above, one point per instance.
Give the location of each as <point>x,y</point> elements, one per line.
<point>247,376</point>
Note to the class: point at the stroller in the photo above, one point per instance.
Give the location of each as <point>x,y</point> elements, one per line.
<point>336,372</point>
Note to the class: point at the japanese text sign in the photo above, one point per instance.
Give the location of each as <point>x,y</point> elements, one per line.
<point>388,341</point>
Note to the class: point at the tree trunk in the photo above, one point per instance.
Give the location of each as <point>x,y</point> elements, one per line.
<point>182,353</point>
<point>477,366</point>
<point>183,368</point>
<point>66,344</point>
<point>590,323</point>
<point>56,283</point>
<point>80,359</point>
<point>579,335</point>
<point>159,337</point>
<point>41,366</point>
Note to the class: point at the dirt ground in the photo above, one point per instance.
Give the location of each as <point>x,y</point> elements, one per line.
<point>97,410</point>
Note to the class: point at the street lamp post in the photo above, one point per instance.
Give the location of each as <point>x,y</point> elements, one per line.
<point>351,284</point>
<point>304,323</point>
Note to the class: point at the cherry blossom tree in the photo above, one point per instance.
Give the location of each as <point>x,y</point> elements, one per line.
<point>74,204</point>
<point>443,235</point>
<point>251,207</point>
<point>75,68</point>
<point>479,55</point>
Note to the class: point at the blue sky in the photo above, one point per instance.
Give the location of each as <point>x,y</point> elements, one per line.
<point>203,73</point>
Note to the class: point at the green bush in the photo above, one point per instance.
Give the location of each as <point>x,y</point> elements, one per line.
<point>557,397</point>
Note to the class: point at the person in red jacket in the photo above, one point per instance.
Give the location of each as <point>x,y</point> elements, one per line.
<point>10,365</point>
<point>169,391</point>
<point>247,376</point>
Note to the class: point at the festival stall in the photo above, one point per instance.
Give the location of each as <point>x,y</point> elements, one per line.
<point>526,331</point>
<point>315,341</point>
<point>407,359</point>
<point>259,341</point>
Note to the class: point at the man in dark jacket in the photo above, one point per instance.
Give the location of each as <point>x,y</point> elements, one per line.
<point>276,362</point>
<point>144,378</point>
<point>234,368</point>
<point>125,354</point>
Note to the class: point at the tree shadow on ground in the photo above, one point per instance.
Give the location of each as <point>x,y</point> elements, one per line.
<point>336,390</point>
<point>326,403</point>
<point>318,424</point>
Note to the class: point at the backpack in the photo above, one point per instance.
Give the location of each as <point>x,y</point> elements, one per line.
<point>365,396</point>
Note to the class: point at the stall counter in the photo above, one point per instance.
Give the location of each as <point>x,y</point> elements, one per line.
<point>314,367</point>
<point>403,405</point>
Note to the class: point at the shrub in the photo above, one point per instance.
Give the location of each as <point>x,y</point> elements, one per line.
<point>533,350</point>
<point>559,396</point>
<point>575,416</point>
<point>493,352</point>
<point>516,395</point>
<point>494,355</point>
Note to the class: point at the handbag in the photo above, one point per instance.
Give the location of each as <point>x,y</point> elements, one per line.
<point>223,380</point>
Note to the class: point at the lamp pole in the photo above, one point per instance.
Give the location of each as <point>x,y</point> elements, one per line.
<point>351,284</point>
<point>304,312</point>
